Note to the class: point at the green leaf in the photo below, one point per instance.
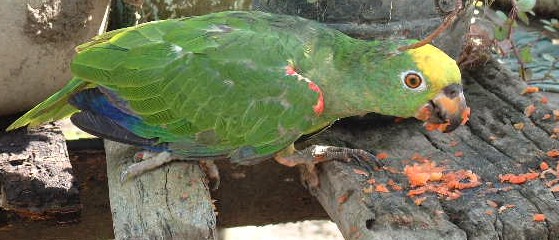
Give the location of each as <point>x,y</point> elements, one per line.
<point>525,5</point>
<point>501,33</point>
<point>526,54</point>
<point>524,18</point>
<point>501,15</point>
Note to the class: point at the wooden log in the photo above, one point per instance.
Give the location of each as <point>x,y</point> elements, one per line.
<point>36,178</point>
<point>490,145</point>
<point>170,202</point>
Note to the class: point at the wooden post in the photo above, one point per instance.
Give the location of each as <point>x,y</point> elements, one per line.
<point>170,202</point>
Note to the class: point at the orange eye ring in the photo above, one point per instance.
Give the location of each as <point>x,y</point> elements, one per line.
<point>413,80</point>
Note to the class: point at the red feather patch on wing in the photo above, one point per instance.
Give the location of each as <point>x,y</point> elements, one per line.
<point>318,108</point>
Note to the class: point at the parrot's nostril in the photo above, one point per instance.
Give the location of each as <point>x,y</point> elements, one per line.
<point>452,91</point>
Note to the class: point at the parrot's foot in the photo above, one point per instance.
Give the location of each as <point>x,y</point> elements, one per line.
<point>212,172</point>
<point>148,161</point>
<point>315,154</point>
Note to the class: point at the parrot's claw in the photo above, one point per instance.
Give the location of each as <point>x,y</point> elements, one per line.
<point>212,172</point>
<point>315,154</point>
<point>149,161</point>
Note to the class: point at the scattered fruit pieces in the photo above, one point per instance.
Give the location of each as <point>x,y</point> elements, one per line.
<point>436,126</point>
<point>539,217</point>
<point>459,154</point>
<point>544,166</point>
<point>465,116</point>
<point>342,199</point>
<point>546,116</point>
<point>518,126</point>
<point>553,153</point>
<point>394,185</point>
<point>528,111</point>
<point>419,174</point>
<point>382,156</point>
<point>489,212</point>
<point>554,188</point>
<point>544,100</point>
<point>427,177</point>
<point>530,89</point>
<point>381,188</point>
<point>520,178</point>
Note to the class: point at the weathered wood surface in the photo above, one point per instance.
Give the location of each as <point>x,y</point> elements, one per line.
<point>171,202</point>
<point>491,145</point>
<point>36,177</point>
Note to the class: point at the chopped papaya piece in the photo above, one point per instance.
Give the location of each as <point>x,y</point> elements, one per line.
<point>539,217</point>
<point>544,166</point>
<point>342,199</point>
<point>436,126</point>
<point>419,174</point>
<point>382,156</point>
<point>544,100</point>
<point>381,188</point>
<point>520,178</point>
<point>530,89</point>
<point>394,185</point>
<point>546,116</point>
<point>528,111</point>
<point>553,153</point>
<point>466,116</point>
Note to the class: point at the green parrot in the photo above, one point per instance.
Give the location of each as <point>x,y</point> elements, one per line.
<point>245,86</point>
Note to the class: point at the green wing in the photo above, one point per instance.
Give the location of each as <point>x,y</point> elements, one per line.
<point>218,81</point>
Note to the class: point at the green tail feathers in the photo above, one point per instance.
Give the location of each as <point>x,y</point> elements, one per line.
<point>53,108</point>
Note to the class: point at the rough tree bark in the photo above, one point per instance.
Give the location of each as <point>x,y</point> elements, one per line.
<point>171,202</point>
<point>36,175</point>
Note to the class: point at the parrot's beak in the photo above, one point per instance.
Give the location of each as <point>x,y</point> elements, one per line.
<point>446,111</point>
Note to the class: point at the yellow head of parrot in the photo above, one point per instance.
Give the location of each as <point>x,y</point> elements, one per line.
<point>446,109</point>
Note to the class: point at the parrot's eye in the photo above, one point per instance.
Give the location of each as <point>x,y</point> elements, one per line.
<point>413,80</point>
